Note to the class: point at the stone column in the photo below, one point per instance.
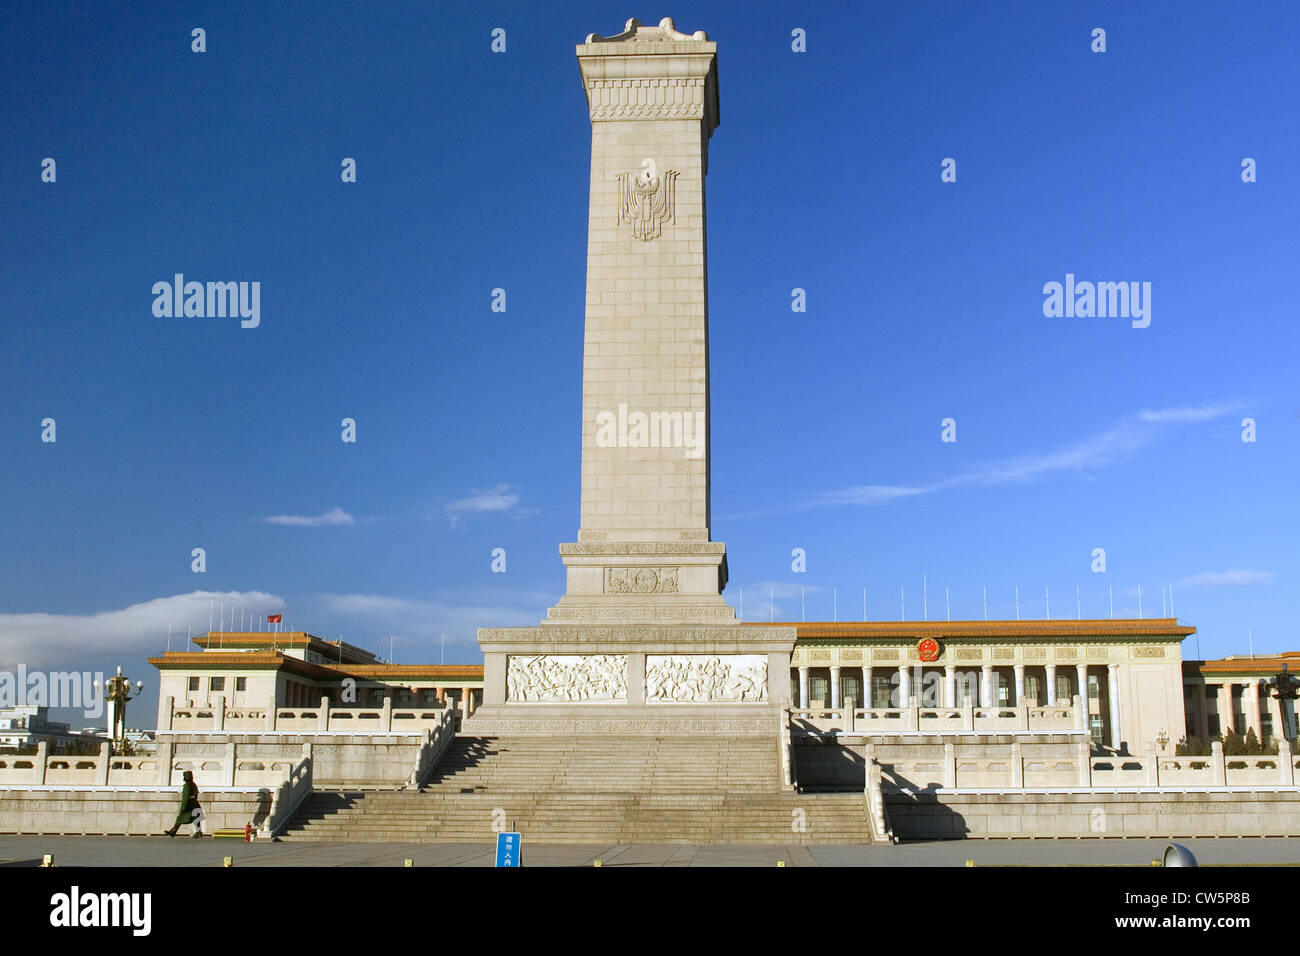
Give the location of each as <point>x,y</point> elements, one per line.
<point>803,688</point>
<point>465,703</point>
<point>1227,721</point>
<point>1253,710</point>
<point>1202,713</point>
<point>866,686</point>
<point>950,685</point>
<point>904,686</point>
<point>986,686</point>
<point>835,687</point>
<point>1051,684</point>
<point>1020,684</point>
<point>1081,675</point>
<point>1112,689</point>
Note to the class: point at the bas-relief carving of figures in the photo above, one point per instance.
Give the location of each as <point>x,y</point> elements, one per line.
<point>553,678</point>
<point>703,679</point>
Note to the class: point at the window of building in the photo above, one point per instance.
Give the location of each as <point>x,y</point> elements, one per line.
<point>1063,691</point>
<point>853,688</point>
<point>1031,690</point>
<point>216,683</point>
<point>1211,691</point>
<point>818,689</point>
<point>193,683</point>
<point>882,691</point>
<point>241,683</point>
<point>1094,687</point>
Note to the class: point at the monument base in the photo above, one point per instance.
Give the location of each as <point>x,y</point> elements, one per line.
<point>645,680</point>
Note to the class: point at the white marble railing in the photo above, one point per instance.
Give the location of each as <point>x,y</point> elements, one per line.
<point>1012,770</point>
<point>1027,718</point>
<point>289,795</point>
<point>228,765</point>
<point>323,718</point>
<point>434,746</point>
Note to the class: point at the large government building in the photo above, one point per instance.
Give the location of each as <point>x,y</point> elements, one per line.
<point>1138,689</point>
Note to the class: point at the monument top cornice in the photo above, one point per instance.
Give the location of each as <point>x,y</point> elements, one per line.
<point>636,34</point>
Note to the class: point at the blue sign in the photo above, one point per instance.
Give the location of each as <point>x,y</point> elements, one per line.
<point>508,847</point>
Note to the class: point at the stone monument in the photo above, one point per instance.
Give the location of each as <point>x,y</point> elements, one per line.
<point>642,640</point>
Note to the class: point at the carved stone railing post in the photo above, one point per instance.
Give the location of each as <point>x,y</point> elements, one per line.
<point>324,721</point>
<point>1217,764</point>
<point>1153,765</point>
<point>1084,755</point>
<point>219,712</point>
<point>38,765</point>
<point>913,713</point>
<point>1286,763</point>
<point>848,715</point>
<point>168,710</point>
<point>1022,715</point>
<point>386,715</point>
<point>968,715</point>
<point>165,754</point>
<point>105,761</point>
<point>1080,715</point>
<point>271,716</point>
<point>949,765</point>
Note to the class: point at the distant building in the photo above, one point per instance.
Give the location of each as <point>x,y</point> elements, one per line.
<point>1231,694</point>
<point>25,727</point>
<point>256,670</point>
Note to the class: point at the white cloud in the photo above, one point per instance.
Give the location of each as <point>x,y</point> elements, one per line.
<point>1186,413</point>
<point>1227,579</point>
<point>420,623</point>
<point>499,499</point>
<point>335,516</point>
<point>1116,444</point>
<point>61,640</point>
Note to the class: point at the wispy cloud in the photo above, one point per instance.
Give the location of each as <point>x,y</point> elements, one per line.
<point>499,499</point>
<point>1116,444</point>
<point>1227,579</point>
<point>1186,413</point>
<point>335,516</point>
<point>62,640</point>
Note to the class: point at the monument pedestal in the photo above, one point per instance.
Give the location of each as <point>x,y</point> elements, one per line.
<point>633,679</point>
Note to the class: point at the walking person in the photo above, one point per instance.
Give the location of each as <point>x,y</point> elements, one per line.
<point>190,811</point>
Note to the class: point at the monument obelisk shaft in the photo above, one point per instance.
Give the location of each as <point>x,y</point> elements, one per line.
<point>642,641</point>
<point>643,551</point>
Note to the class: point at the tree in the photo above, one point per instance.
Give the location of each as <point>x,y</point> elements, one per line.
<point>1252,742</point>
<point>1234,745</point>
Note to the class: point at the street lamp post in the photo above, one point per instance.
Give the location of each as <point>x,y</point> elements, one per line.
<point>117,692</point>
<point>1284,688</point>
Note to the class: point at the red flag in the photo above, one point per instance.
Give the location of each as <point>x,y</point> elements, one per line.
<point>274,618</point>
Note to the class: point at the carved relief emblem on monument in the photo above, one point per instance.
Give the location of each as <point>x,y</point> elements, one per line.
<point>641,580</point>
<point>702,679</point>
<point>646,199</point>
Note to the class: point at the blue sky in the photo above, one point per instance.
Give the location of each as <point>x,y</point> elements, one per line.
<point>924,302</point>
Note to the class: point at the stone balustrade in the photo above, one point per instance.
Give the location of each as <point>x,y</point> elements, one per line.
<point>946,769</point>
<point>325,718</point>
<point>913,719</point>
<point>229,765</point>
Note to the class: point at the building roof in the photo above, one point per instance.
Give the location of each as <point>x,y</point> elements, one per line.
<point>277,660</point>
<point>1161,628</point>
<point>1245,665</point>
<point>252,640</point>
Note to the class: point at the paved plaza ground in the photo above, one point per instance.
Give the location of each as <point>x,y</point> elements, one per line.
<point>183,851</point>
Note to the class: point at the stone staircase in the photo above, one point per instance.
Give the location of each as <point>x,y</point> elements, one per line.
<point>617,790</point>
